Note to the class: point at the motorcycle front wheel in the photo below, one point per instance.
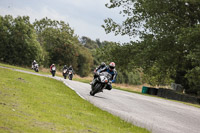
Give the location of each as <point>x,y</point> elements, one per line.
<point>70,77</point>
<point>95,89</point>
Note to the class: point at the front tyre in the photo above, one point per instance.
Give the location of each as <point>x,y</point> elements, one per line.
<point>96,89</point>
<point>92,93</point>
<point>70,77</point>
<point>53,73</point>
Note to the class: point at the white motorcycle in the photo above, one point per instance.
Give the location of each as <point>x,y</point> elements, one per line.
<point>53,71</point>
<point>103,80</point>
<point>70,76</point>
<point>36,67</point>
<point>65,73</point>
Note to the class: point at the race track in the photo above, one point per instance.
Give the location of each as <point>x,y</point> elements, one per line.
<point>156,114</point>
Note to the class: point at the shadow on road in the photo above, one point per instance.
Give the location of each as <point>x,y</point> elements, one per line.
<point>98,97</point>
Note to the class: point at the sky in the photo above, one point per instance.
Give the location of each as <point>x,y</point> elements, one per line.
<point>84,16</point>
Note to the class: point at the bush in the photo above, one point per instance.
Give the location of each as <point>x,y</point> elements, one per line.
<point>193,77</point>
<point>132,78</point>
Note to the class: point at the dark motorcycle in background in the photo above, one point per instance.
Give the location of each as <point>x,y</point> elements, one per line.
<point>70,76</point>
<point>53,71</point>
<point>65,73</point>
<point>36,68</point>
<point>103,79</point>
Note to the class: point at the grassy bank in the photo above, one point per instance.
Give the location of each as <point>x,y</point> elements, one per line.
<point>31,103</point>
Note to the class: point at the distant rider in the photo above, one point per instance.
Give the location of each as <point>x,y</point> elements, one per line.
<point>65,67</point>
<point>33,64</point>
<point>70,68</point>
<point>110,69</point>
<point>53,65</point>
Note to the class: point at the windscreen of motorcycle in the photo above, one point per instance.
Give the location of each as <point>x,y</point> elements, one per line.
<point>65,70</point>
<point>106,74</point>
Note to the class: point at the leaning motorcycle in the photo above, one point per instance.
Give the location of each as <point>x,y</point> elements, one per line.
<point>53,71</point>
<point>36,68</point>
<point>65,73</point>
<point>70,76</point>
<point>101,82</point>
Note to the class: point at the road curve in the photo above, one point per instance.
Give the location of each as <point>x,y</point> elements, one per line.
<point>155,114</point>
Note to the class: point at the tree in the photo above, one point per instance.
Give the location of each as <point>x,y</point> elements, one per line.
<point>18,44</point>
<point>62,46</point>
<point>85,62</point>
<point>163,28</point>
<point>59,42</point>
<point>88,43</point>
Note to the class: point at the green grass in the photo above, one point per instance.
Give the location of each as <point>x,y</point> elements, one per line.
<point>82,80</point>
<point>30,103</point>
<point>22,68</point>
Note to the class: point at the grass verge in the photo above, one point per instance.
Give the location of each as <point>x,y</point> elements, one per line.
<point>30,103</point>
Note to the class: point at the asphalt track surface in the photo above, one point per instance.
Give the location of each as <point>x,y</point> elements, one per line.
<point>155,114</point>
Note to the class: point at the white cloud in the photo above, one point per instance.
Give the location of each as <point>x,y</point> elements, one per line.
<point>85,17</point>
<point>27,11</point>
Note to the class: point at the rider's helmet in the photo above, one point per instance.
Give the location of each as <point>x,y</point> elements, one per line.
<point>53,64</point>
<point>34,61</point>
<point>112,66</point>
<point>65,65</point>
<point>103,64</point>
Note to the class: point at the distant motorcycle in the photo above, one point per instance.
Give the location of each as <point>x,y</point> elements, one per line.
<point>70,74</point>
<point>36,67</point>
<point>53,71</point>
<point>103,79</point>
<point>65,73</point>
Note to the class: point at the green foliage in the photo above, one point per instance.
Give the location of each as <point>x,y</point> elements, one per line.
<point>85,62</point>
<point>18,43</point>
<point>129,77</point>
<point>88,43</point>
<point>169,32</point>
<point>193,77</point>
<point>46,41</point>
<point>62,46</point>
<point>58,41</point>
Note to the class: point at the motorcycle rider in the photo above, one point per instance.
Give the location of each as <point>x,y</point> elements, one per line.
<point>70,68</point>
<point>65,67</point>
<point>110,69</point>
<point>100,67</point>
<point>33,64</point>
<point>53,65</point>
